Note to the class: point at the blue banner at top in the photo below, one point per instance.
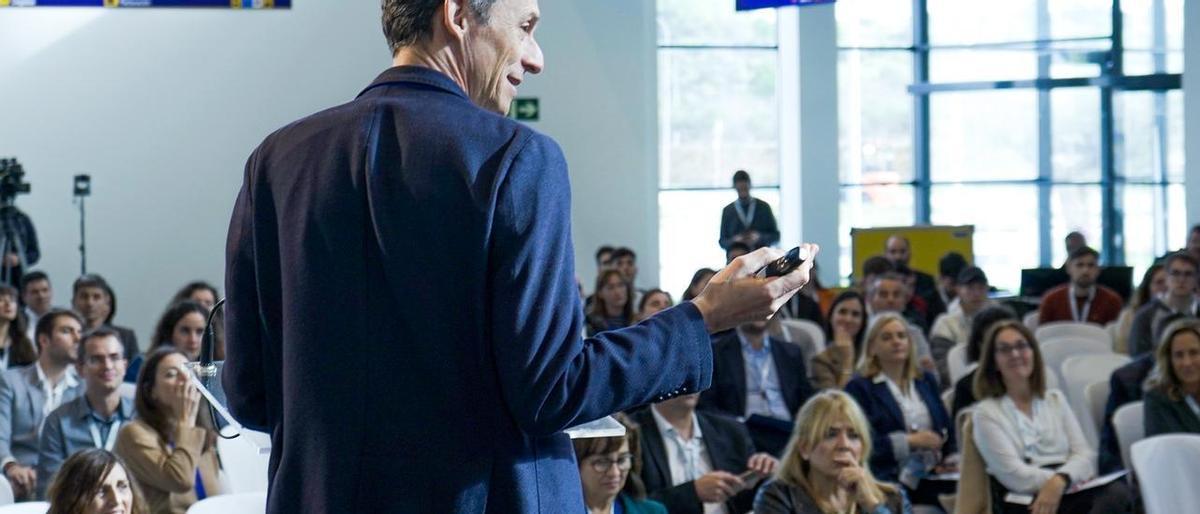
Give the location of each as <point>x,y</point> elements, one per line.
<point>226,4</point>
<point>749,5</point>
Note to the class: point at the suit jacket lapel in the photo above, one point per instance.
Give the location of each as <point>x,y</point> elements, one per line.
<point>653,451</point>
<point>889,402</point>
<point>787,377</point>
<point>717,447</point>
<point>34,391</point>
<point>738,372</point>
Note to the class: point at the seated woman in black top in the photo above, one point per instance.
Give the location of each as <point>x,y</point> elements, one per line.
<point>964,394</point>
<point>910,428</point>
<point>612,304</point>
<point>824,468</point>
<point>1173,403</point>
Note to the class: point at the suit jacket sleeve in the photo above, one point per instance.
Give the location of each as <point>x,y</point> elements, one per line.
<point>243,374</point>
<point>51,450</point>
<point>680,499</point>
<point>883,452</point>
<point>769,234</point>
<point>7,406</point>
<point>1140,333</point>
<point>773,498</point>
<point>549,376</point>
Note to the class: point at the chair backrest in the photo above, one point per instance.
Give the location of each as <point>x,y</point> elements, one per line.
<point>974,488</point>
<point>1071,329</point>
<point>1130,427</point>
<point>1056,350</point>
<point>814,331</point>
<point>803,333</point>
<point>1166,469</point>
<point>1096,396</point>
<point>245,503</point>
<point>127,390</point>
<point>26,508</point>
<point>244,465</point>
<point>1080,371</point>
<point>6,493</point>
<point>956,362</point>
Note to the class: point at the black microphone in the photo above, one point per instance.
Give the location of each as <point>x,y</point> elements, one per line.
<point>206,370</point>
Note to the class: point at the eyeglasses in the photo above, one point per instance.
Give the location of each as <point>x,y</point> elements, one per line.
<point>623,462</point>
<point>1004,349</point>
<point>1178,273</point>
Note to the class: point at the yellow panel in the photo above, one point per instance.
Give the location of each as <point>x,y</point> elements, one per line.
<point>929,244</point>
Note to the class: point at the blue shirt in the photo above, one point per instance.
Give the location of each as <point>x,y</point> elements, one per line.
<point>763,395</point>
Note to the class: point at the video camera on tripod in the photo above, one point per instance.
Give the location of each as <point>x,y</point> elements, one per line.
<point>12,181</point>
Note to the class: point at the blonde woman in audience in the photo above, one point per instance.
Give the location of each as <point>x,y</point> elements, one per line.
<point>653,301</point>
<point>609,468</point>
<point>1153,285</point>
<point>612,307</point>
<point>1173,402</point>
<point>171,456</point>
<point>910,428</point>
<point>846,322</point>
<point>94,481</point>
<point>824,468</point>
<point>15,347</point>
<point>1030,441</point>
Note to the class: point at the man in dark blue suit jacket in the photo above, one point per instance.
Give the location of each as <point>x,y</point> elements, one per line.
<point>402,315</point>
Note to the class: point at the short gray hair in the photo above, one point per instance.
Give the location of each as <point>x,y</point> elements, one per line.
<point>407,21</point>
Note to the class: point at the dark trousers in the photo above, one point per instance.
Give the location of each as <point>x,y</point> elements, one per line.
<point>1113,498</point>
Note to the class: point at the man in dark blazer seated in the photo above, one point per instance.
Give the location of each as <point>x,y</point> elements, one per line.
<point>760,380</point>
<point>692,462</point>
<point>402,313</point>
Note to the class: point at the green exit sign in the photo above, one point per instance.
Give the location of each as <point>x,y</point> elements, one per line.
<point>525,109</point>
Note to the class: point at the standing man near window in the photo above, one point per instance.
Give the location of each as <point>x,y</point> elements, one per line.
<point>747,220</point>
<point>430,236</point>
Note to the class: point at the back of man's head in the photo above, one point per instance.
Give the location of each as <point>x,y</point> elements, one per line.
<point>406,22</point>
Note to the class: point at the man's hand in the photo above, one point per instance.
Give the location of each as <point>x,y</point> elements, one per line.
<point>763,463</point>
<point>735,296</point>
<point>22,478</point>
<point>11,259</point>
<point>717,486</point>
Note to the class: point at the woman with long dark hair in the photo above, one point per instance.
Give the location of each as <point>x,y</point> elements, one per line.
<point>612,307</point>
<point>15,347</point>
<point>181,327</point>
<point>844,328</point>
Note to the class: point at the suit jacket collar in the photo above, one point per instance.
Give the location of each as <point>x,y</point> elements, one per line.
<point>654,451</point>
<point>416,75</point>
<point>879,388</point>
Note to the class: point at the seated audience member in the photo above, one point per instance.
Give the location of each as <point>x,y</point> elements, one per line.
<point>612,307</point>
<point>16,349</point>
<point>888,293</point>
<point>1153,285</point>
<point>834,366</point>
<point>92,419</point>
<point>825,466</point>
<point>653,301</point>
<point>95,300</point>
<point>964,389</point>
<point>806,303</point>
<point>1193,242</point>
<point>37,295</point>
<point>625,261</point>
<point>949,266</point>
<point>1180,298</point>
<point>758,379</point>
<point>182,327</point>
<point>170,454</point>
<point>916,309</point>
<point>873,267</point>
<point>1173,403</point>
<point>954,327</point>
<point>735,250</point>
<point>1028,437</point>
<point>29,393</point>
<point>898,249</point>
<point>608,469</point>
<point>1081,300</point>
<point>604,258</point>
<point>207,295</point>
<point>692,461</point>
<point>699,279</point>
<point>95,481</point>
<point>909,424</point>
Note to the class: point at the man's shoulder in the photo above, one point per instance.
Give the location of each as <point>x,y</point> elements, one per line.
<point>1057,293</point>
<point>1108,293</point>
<point>722,423</point>
<point>18,376</point>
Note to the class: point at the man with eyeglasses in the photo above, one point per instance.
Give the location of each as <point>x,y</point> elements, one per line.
<point>93,419</point>
<point>1180,298</point>
<point>693,461</point>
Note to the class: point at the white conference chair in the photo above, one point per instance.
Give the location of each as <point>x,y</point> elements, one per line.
<point>245,503</point>
<point>803,333</point>
<point>244,465</point>
<point>1080,371</point>
<point>127,390</point>
<point>814,331</point>
<point>1130,428</point>
<point>26,508</point>
<point>1056,351</point>
<point>1096,396</point>
<point>6,493</point>
<point>1072,330</point>
<point>956,361</point>
<point>1166,469</point>
<point>1031,320</point>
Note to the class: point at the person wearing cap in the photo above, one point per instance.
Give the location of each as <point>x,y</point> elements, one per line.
<point>972,294</point>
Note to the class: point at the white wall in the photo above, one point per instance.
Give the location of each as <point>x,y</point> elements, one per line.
<point>1191,109</point>
<point>162,107</point>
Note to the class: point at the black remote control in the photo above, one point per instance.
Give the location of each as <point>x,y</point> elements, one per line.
<point>784,265</point>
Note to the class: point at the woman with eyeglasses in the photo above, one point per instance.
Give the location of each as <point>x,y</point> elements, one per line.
<point>1030,441</point>
<point>608,468</point>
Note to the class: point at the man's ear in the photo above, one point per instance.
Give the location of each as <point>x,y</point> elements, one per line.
<point>456,14</point>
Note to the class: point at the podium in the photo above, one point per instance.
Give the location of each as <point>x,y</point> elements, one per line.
<point>207,378</point>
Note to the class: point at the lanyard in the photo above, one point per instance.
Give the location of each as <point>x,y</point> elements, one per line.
<point>1087,306</point>
<point>746,216</point>
<point>109,441</point>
